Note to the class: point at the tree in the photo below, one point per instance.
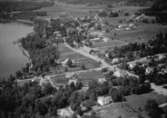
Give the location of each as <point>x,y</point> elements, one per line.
<point>41,108</point>
<point>152,109</point>
<point>116,95</point>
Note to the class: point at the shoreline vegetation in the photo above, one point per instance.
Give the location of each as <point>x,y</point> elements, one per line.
<point>23,12</point>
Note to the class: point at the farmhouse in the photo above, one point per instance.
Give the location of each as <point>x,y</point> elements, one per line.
<point>104,100</point>
<point>73,80</point>
<point>101,80</point>
<point>123,73</point>
<point>67,62</point>
<point>132,65</point>
<point>149,70</point>
<point>93,51</point>
<point>65,112</point>
<point>116,60</point>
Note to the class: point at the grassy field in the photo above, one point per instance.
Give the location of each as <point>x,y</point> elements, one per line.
<point>139,101</point>
<point>70,9</point>
<point>117,110</point>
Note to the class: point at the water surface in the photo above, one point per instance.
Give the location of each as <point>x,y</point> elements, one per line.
<point>11,56</point>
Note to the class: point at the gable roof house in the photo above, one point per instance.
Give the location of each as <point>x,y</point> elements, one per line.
<point>65,112</point>
<point>104,100</point>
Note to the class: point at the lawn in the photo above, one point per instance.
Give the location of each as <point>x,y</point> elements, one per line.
<point>86,77</point>
<point>139,101</point>
<point>117,110</point>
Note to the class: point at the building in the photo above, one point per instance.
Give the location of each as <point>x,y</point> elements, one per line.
<point>123,73</point>
<point>101,80</point>
<point>74,81</point>
<point>132,65</point>
<point>149,70</point>
<point>68,62</point>
<point>65,112</point>
<point>104,100</point>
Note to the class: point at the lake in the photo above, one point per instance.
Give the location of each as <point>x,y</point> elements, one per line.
<point>11,56</point>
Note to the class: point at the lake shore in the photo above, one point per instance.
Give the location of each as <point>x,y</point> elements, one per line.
<point>13,57</point>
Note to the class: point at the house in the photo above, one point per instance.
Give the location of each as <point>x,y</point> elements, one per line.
<point>96,39</point>
<point>93,51</point>
<point>44,82</point>
<point>149,70</point>
<point>76,44</point>
<point>105,39</point>
<point>101,80</point>
<point>132,65</point>
<point>123,73</point>
<point>159,57</point>
<point>67,62</point>
<point>104,100</point>
<point>115,61</point>
<point>65,112</point>
<point>73,80</point>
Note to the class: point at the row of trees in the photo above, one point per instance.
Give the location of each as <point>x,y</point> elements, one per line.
<point>133,50</point>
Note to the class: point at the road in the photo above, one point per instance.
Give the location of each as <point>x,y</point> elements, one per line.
<point>85,53</point>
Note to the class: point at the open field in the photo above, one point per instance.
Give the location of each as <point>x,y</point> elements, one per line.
<point>143,33</point>
<point>138,101</point>
<point>116,110</point>
<point>70,9</point>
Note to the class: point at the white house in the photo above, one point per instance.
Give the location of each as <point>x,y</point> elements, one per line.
<point>149,70</point>
<point>67,61</point>
<point>105,39</point>
<point>101,80</point>
<point>74,81</point>
<point>132,65</point>
<point>104,100</point>
<point>65,112</point>
<point>123,73</point>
